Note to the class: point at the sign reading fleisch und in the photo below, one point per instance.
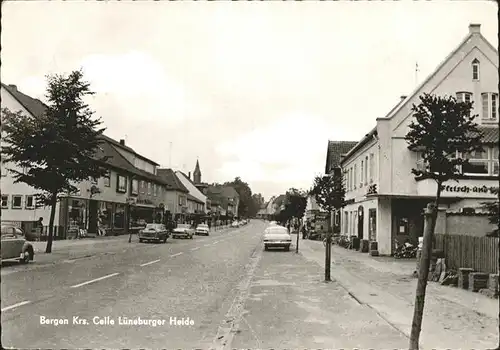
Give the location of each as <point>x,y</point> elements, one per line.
<point>470,189</point>
<point>465,188</point>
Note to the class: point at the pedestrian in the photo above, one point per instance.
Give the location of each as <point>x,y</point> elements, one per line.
<point>304,232</point>
<point>39,227</point>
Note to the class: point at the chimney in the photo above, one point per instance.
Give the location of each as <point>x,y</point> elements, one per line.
<point>189,175</point>
<point>403,97</point>
<point>122,142</point>
<point>13,87</point>
<point>474,28</point>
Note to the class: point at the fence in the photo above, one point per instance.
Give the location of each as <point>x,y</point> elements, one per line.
<point>479,253</point>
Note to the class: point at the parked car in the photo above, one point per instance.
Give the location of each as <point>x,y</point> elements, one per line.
<point>183,230</point>
<point>202,229</point>
<point>154,232</point>
<point>277,237</point>
<point>14,245</point>
<point>235,224</point>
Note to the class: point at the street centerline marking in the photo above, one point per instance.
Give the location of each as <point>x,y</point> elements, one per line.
<point>16,305</point>
<point>151,262</point>
<point>176,254</point>
<point>193,249</point>
<point>95,280</point>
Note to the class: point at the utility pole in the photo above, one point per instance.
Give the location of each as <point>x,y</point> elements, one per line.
<point>328,254</point>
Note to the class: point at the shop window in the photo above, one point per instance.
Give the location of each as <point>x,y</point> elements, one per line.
<point>5,201</point>
<point>121,184</point>
<point>490,106</point>
<point>134,187</point>
<point>29,202</point>
<point>475,69</point>
<point>17,202</point>
<point>478,163</point>
<point>107,179</point>
<point>464,97</point>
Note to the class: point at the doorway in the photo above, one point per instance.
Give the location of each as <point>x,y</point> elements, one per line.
<point>93,209</point>
<point>360,221</point>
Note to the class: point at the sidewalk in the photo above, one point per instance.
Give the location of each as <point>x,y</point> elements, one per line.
<point>454,318</point>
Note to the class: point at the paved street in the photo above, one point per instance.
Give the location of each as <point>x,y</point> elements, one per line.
<point>235,294</point>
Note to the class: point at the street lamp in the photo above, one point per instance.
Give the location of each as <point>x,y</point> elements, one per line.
<point>129,202</point>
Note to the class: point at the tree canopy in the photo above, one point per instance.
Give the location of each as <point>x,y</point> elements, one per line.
<point>58,149</point>
<point>444,133</point>
<point>329,192</point>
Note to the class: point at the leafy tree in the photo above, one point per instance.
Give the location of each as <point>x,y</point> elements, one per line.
<point>494,212</point>
<point>57,148</point>
<point>329,192</point>
<point>444,132</point>
<point>245,206</point>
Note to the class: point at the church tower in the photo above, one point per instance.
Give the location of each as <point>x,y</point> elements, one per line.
<point>197,173</point>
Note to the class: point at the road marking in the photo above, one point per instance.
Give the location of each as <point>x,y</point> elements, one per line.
<point>176,254</point>
<point>15,305</point>
<point>151,262</point>
<point>193,249</point>
<point>95,280</point>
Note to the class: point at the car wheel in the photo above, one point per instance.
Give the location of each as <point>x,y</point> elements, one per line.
<point>287,248</point>
<point>141,240</point>
<point>266,247</point>
<point>26,257</point>
<point>165,240</point>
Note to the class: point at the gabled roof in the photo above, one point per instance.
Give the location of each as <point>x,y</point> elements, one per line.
<point>172,182</point>
<point>128,149</point>
<point>334,152</point>
<point>190,197</point>
<point>442,64</point>
<point>32,105</point>
<point>118,161</point>
<point>180,174</point>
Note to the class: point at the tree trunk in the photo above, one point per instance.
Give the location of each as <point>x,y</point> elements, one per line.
<point>298,233</point>
<point>425,258</point>
<point>328,256</point>
<point>53,204</point>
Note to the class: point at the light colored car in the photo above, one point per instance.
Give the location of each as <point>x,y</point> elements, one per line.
<point>235,224</point>
<point>273,223</point>
<point>202,229</point>
<point>184,231</point>
<point>277,237</point>
<point>154,232</point>
<point>15,246</point>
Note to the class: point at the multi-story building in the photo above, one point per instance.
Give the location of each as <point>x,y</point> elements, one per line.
<point>176,194</point>
<point>196,200</point>
<point>131,183</point>
<point>226,198</point>
<point>385,200</point>
<point>335,152</point>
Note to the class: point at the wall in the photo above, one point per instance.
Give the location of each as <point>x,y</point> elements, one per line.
<point>359,192</point>
<point>107,193</point>
<point>136,161</point>
<point>471,225</point>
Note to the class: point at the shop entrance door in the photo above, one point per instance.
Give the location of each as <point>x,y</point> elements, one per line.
<point>360,222</point>
<point>93,209</point>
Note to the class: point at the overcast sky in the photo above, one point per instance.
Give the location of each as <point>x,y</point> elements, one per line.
<point>253,89</point>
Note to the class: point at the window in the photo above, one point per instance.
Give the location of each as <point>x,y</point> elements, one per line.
<point>94,180</point>
<point>372,167</point>
<point>475,69</point>
<point>29,202</point>
<point>17,202</point>
<point>490,105</point>
<point>5,201</point>
<point>355,175</point>
<point>362,174</point>
<point>155,189</point>
<point>478,163</point>
<point>149,188</point>
<point>366,170</point>
<point>464,97</point>
<point>494,161</point>
<point>121,184</point>
<point>135,187</point>
<point>107,179</point>
<point>142,187</point>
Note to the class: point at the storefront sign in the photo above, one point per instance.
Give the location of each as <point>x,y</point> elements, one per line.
<point>144,201</point>
<point>469,189</point>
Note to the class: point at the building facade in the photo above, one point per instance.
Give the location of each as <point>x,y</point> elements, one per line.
<point>385,200</point>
